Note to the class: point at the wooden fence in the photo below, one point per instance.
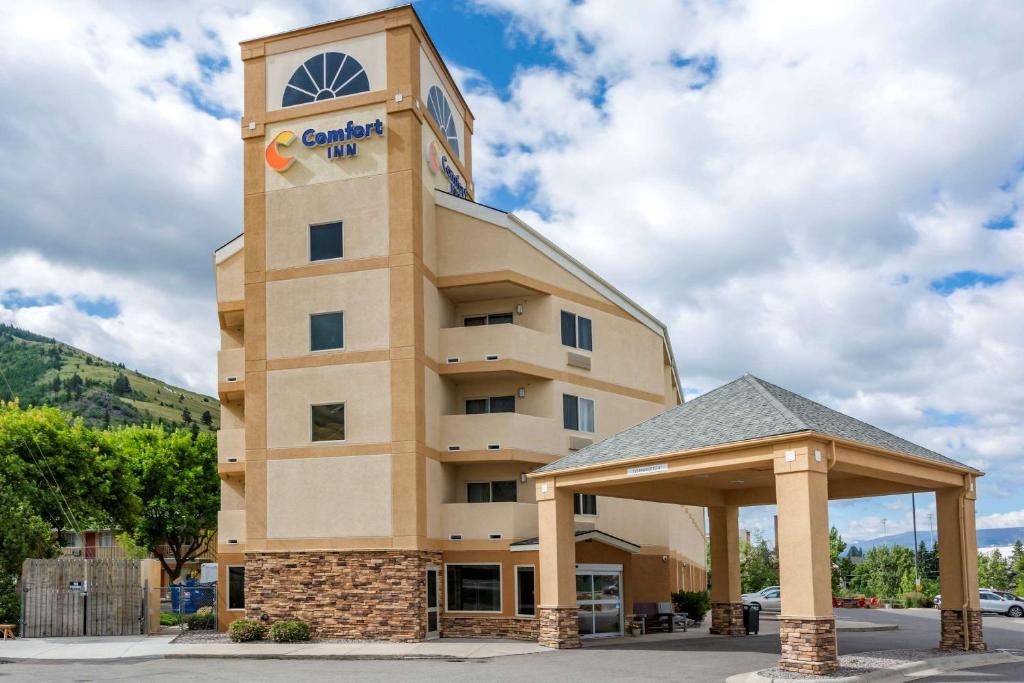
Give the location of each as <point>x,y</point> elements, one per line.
<point>71,596</point>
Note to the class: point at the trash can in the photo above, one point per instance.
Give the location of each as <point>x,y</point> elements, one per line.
<point>751,620</point>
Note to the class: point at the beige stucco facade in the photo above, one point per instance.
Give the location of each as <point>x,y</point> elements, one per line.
<point>417,262</point>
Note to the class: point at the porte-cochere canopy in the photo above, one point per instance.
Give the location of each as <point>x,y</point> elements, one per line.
<point>751,442</point>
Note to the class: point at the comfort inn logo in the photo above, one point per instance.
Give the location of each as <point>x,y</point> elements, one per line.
<point>339,143</point>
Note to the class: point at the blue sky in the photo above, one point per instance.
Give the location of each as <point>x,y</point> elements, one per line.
<point>809,194</point>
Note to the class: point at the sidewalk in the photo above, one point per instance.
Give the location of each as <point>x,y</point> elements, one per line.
<point>161,647</point>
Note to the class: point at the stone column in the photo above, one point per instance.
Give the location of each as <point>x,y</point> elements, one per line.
<point>807,627</point>
<point>559,626</point>
<point>958,569</point>
<point>726,605</point>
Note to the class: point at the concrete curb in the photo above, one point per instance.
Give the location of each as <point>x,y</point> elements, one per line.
<point>254,655</point>
<point>921,669</point>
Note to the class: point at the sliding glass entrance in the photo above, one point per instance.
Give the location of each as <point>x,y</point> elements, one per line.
<point>599,599</point>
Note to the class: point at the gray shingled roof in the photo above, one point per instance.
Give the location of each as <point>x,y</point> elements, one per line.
<point>747,408</point>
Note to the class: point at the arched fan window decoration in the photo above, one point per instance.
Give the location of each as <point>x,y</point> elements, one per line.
<point>441,111</point>
<point>324,77</point>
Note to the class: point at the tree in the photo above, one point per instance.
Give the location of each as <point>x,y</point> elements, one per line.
<point>180,489</point>
<point>55,473</point>
<point>207,418</point>
<point>842,567</point>
<point>75,385</point>
<point>882,571</point>
<point>121,386</point>
<point>993,571</point>
<point>759,565</point>
<point>186,416</point>
<point>1017,566</point>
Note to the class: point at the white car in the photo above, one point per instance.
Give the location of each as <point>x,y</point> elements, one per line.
<point>994,603</point>
<point>765,599</point>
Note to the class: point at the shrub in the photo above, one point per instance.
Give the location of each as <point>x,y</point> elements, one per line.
<point>694,603</point>
<point>245,630</point>
<point>199,621</point>
<point>169,619</point>
<point>915,599</point>
<point>289,631</point>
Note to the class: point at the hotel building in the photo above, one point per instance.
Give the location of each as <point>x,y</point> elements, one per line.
<point>395,358</point>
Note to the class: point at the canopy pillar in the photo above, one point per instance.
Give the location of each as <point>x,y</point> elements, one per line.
<point>726,604</point>
<point>958,569</point>
<point>559,625</point>
<point>807,627</point>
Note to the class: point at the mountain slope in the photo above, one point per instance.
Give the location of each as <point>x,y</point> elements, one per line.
<point>986,538</point>
<point>38,370</point>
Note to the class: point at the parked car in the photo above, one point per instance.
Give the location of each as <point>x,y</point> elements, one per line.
<point>994,603</point>
<point>765,599</point>
<point>1006,594</point>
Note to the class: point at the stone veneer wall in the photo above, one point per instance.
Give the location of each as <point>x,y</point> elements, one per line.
<point>351,594</point>
<point>953,630</point>
<point>559,628</point>
<point>727,619</point>
<point>519,628</point>
<point>808,645</point>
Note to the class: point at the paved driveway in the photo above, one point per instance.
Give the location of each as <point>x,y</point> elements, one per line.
<point>695,659</point>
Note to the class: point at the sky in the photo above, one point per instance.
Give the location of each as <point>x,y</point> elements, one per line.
<point>825,195</point>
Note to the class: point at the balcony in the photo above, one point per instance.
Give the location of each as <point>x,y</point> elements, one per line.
<point>501,436</point>
<point>231,528</point>
<point>231,374</point>
<point>231,451</point>
<point>95,552</point>
<point>475,521</point>
<point>494,350</point>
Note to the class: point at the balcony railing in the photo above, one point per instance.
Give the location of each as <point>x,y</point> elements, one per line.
<point>476,521</point>
<point>502,431</point>
<point>95,552</point>
<point>487,343</point>
<point>231,527</point>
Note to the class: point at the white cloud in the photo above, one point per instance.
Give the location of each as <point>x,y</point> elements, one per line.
<point>789,218</point>
<point>1001,520</point>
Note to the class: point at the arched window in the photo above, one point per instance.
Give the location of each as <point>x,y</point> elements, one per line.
<point>324,77</point>
<point>441,111</point>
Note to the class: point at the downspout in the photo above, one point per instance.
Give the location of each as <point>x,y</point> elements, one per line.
<point>964,571</point>
<point>831,454</point>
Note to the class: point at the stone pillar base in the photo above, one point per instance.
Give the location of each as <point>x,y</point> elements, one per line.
<point>808,645</point>
<point>727,619</point>
<point>559,628</point>
<point>953,630</point>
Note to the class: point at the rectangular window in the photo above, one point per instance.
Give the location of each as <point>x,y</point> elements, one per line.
<point>326,241</point>
<point>584,504</point>
<point>492,404</point>
<point>328,422</point>
<point>326,331</point>
<point>577,413</point>
<point>577,331</point>
<point>236,587</point>
<point>525,602</point>
<point>491,491</point>
<point>473,587</point>
<point>491,319</point>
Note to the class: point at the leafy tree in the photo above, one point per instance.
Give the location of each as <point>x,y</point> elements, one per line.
<point>994,571</point>
<point>882,571</point>
<point>1017,566</point>
<point>178,482</point>
<point>186,415</point>
<point>75,385</point>
<point>842,567</point>
<point>55,473</point>
<point>759,565</point>
<point>207,418</point>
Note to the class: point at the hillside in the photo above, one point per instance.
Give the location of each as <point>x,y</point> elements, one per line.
<point>43,371</point>
<point>987,538</point>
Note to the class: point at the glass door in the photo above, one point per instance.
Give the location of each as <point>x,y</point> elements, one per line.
<point>432,615</point>
<point>599,603</point>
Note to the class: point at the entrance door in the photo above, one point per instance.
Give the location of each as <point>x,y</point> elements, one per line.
<point>432,615</point>
<point>599,602</point>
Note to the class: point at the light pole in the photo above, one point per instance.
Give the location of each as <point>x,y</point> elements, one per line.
<point>884,520</point>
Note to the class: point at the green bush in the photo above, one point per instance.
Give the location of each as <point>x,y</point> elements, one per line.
<point>199,621</point>
<point>915,599</point>
<point>289,631</point>
<point>169,619</point>
<point>694,603</point>
<point>245,630</point>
